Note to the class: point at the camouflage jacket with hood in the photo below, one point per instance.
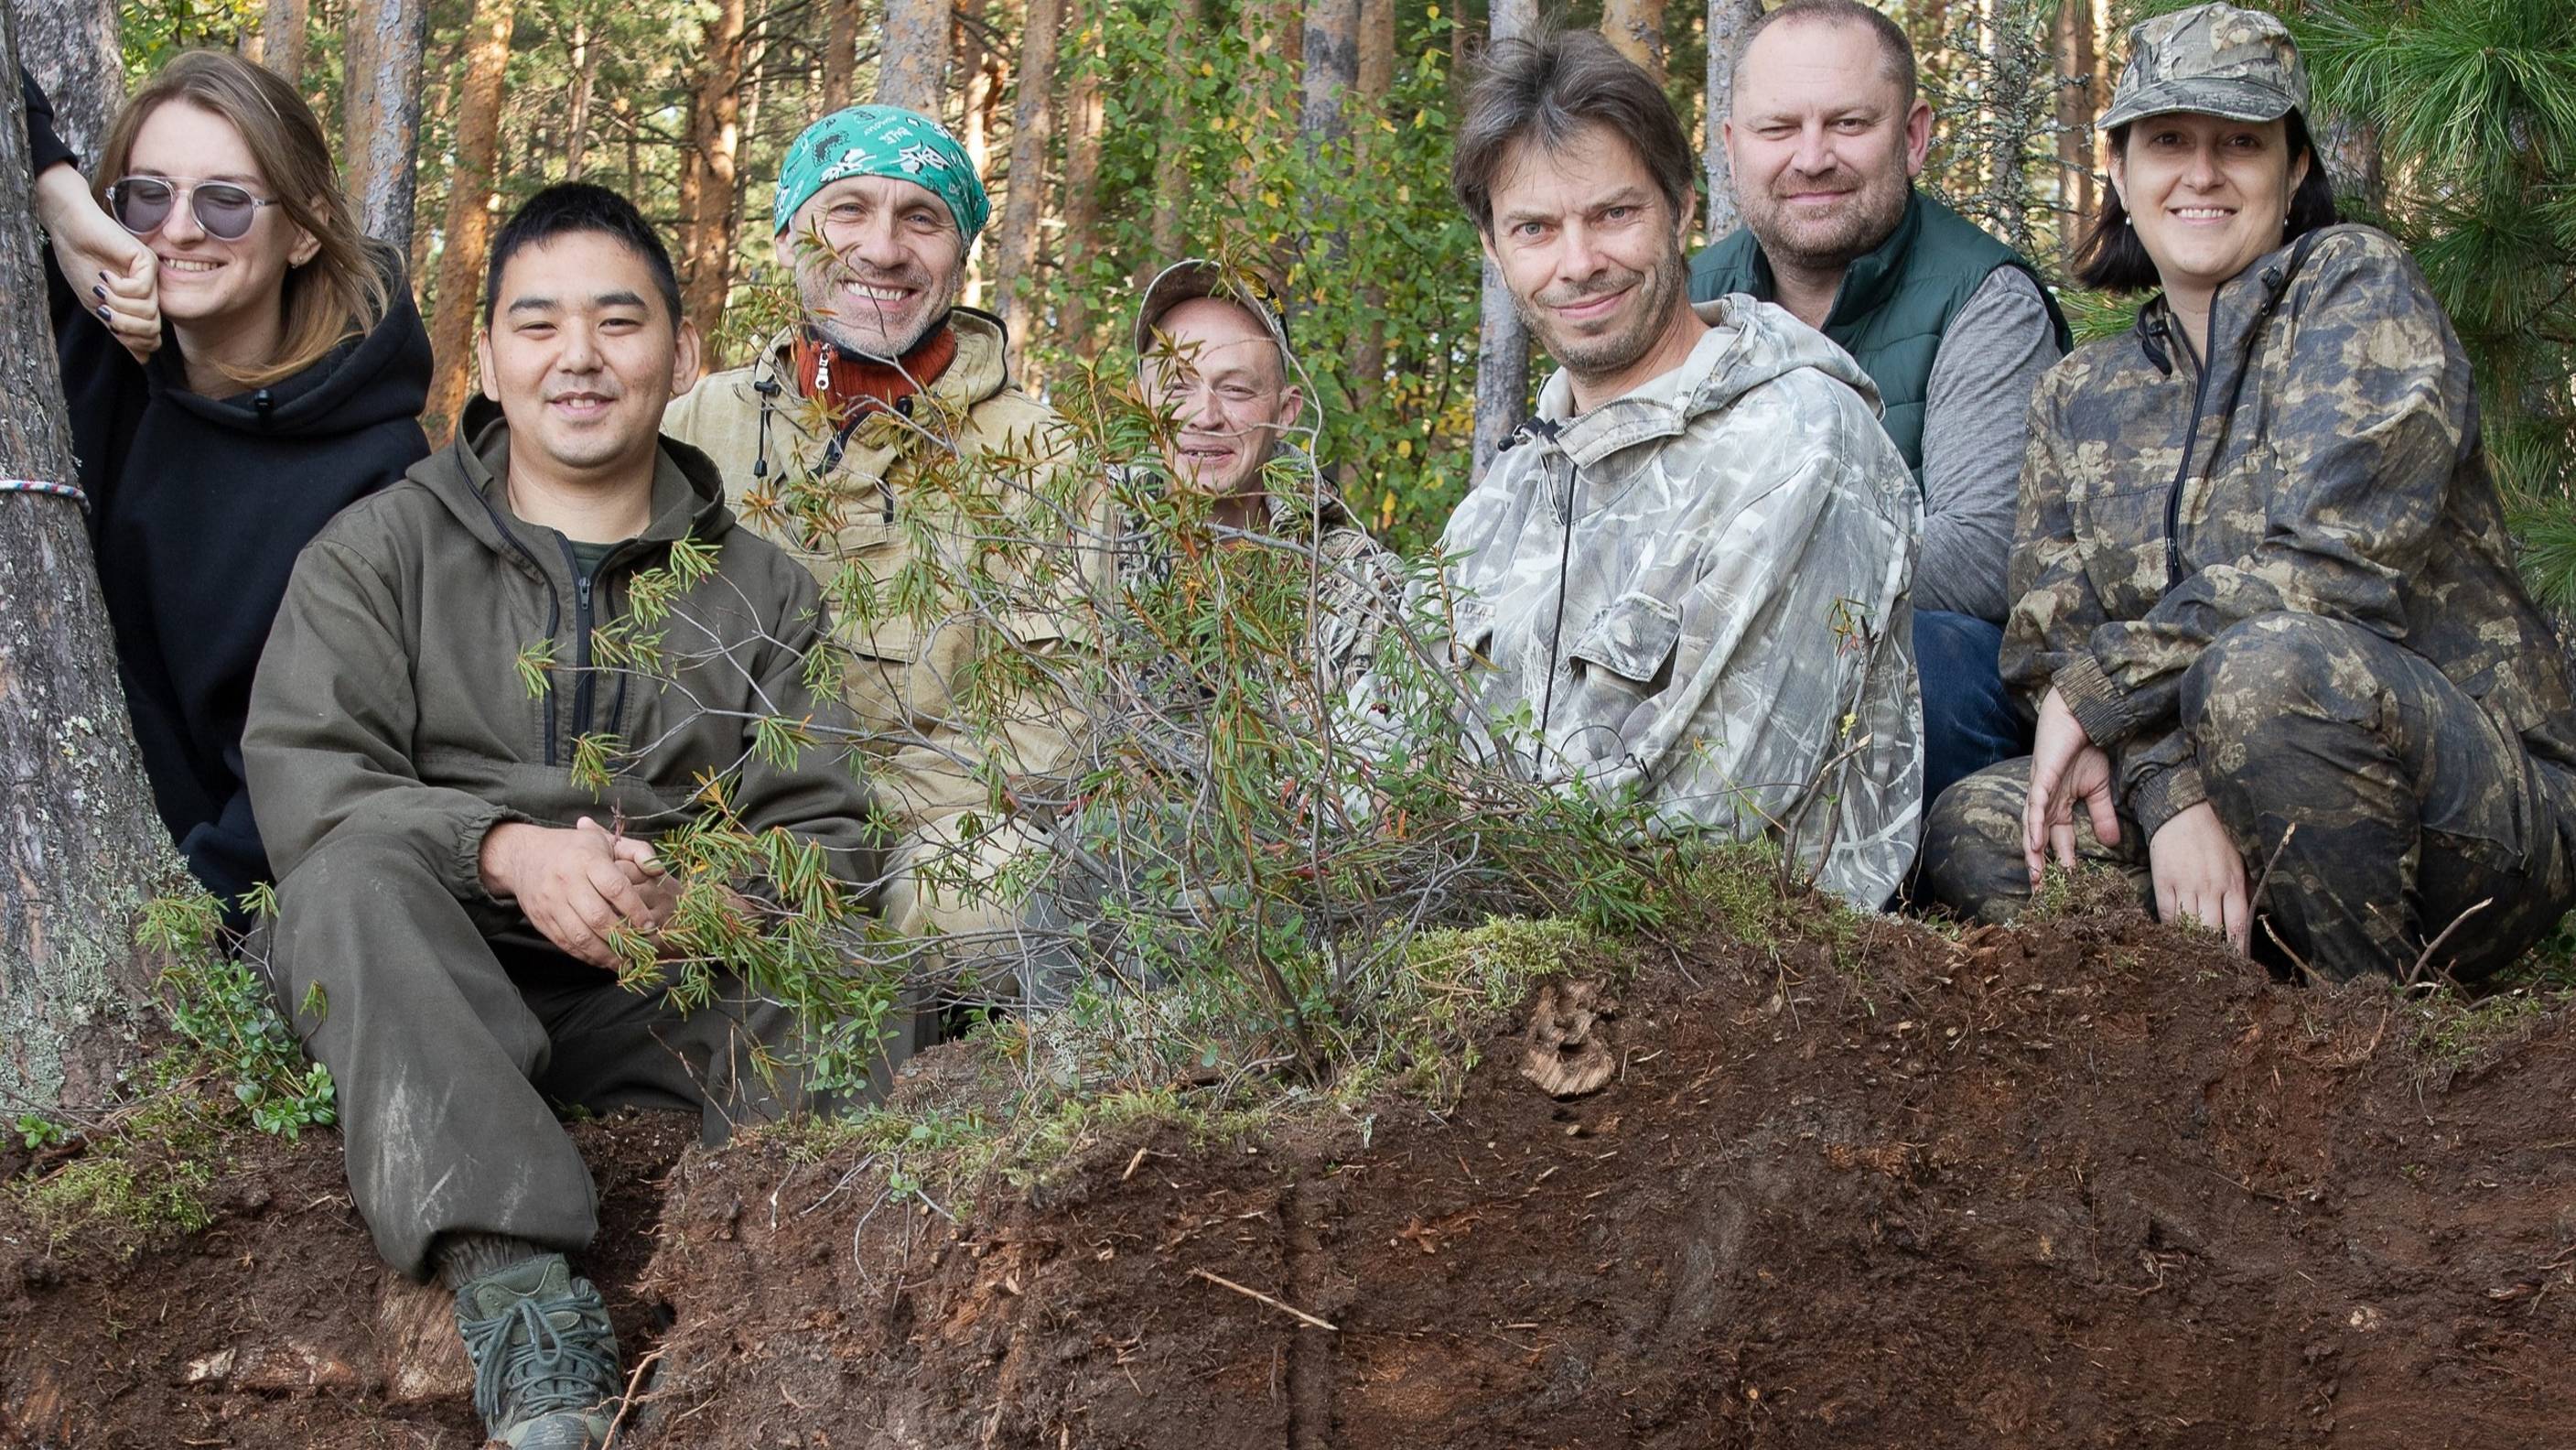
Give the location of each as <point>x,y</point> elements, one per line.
<point>1701,591</point>
<point>2326,460</point>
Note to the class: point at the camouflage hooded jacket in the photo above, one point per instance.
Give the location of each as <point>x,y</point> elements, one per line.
<point>1701,591</point>
<point>2326,461</point>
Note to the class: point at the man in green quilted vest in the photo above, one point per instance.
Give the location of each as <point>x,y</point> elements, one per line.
<point>1825,136</point>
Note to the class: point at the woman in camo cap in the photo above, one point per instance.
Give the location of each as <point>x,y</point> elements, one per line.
<point>2285,672</point>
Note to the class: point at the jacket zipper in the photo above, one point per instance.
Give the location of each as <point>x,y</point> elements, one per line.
<point>581,691</point>
<point>2182,471</point>
<point>2276,281</point>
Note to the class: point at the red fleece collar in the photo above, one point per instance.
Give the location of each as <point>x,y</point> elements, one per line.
<point>855,385</point>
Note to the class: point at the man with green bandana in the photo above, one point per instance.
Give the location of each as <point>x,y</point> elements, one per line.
<point>880,439</point>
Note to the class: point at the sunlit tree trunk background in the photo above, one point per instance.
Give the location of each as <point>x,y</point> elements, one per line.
<point>379,159</point>
<point>469,212</point>
<point>81,847</point>
<point>72,47</point>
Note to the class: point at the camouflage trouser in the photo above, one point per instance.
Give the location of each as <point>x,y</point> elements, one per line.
<point>2412,806</point>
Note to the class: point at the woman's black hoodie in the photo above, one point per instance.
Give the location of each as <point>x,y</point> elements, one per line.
<point>198,507</point>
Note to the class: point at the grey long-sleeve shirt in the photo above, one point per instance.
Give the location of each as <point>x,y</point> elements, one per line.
<point>1975,431</point>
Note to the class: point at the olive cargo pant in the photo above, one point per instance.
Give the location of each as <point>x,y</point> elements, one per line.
<point>448,1046</point>
<point>2412,805</point>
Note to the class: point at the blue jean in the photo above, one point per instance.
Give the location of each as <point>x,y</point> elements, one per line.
<point>1969,721</point>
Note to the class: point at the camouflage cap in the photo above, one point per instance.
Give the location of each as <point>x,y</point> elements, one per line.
<point>1197,277</point>
<point>2216,60</point>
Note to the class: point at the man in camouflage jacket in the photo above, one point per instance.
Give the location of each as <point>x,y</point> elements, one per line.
<point>1690,576</point>
<point>2287,589</point>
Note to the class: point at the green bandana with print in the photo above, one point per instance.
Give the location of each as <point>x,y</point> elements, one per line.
<point>881,141</point>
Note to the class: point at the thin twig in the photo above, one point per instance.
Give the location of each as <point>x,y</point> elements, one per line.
<point>2256,900</point>
<point>1223,1282</point>
<point>2416,973</point>
<point>2315,977</point>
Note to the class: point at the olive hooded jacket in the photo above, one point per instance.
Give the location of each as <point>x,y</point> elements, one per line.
<point>392,699</point>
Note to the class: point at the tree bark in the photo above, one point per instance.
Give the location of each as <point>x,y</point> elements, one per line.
<point>912,70</point>
<point>1084,113</point>
<point>585,87</point>
<point>1502,342</point>
<point>2075,112</point>
<point>382,69</point>
<point>1635,29</point>
<point>81,846</point>
<point>1024,203</point>
<point>285,34</point>
<point>987,75</point>
<point>1332,66</point>
<point>470,183</point>
<point>1367,360</point>
<point>840,52</point>
<point>1727,22</point>
<point>707,174</point>
<point>75,51</point>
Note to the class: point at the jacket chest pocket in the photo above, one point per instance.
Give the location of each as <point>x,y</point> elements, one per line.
<point>2226,514</point>
<point>2120,531</point>
<point>1620,662</point>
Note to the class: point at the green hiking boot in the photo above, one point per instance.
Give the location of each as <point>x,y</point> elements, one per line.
<point>545,1358</point>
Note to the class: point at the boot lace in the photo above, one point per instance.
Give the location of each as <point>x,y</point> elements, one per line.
<point>521,1360</point>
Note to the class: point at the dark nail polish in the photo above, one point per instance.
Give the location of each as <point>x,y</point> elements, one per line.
<point>99,292</point>
<point>103,314</point>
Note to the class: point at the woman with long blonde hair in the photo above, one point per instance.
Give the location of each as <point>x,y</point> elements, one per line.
<point>240,363</point>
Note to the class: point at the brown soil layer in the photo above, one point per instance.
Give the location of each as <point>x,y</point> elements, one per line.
<point>277,1326</point>
<point>2088,1184</point>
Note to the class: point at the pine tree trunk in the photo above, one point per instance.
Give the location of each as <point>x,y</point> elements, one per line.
<point>1635,28</point>
<point>1727,22</point>
<point>1332,68</point>
<point>912,70</point>
<point>1367,360</point>
<point>382,66</point>
<point>74,50</point>
<point>1084,110</point>
<point>585,86</point>
<point>468,233</point>
<point>1502,342</point>
<point>1032,121</point>
<point>2017,57</point>
<point>987,73</point>
<point>707,174</point>
<point>840,52</point>
<point>2075,111</point>
<point>80,844</point>
<point>2353,161</point>
<point>285,34</point>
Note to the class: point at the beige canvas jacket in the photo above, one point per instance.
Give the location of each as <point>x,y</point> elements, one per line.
<point>971,476</point>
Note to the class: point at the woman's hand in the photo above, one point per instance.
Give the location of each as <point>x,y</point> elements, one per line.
<point>2199,875</point>
<point>102,259</point>
<point>2065,767</point>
